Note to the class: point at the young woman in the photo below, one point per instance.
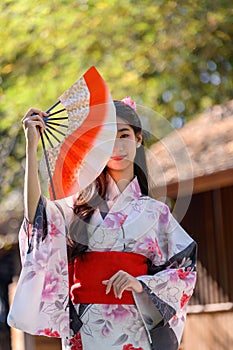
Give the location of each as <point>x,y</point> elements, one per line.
<point>131,265</point>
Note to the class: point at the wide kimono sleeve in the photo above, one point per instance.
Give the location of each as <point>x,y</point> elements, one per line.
<point>41,303</point>
<point>168,287</point>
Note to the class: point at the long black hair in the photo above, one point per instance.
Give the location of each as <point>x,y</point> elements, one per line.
<point>89,199</point>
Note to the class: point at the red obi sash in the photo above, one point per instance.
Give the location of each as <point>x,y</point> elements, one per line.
<point>88,271</point>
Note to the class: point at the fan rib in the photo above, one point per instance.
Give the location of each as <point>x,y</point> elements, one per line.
<point>50,132</point>
<point>57,124</point>
<point>53,106</point>
<point>50,142</point>
<point>58,131</point>
<point>58,118</point>
<point>57,112</point>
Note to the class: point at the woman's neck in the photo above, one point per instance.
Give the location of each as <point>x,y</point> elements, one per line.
<point>122,178</point>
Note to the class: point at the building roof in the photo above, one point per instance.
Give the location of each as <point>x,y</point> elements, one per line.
<point>200,152</point>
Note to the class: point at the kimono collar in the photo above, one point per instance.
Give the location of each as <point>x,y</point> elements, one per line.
<point>132,190</point>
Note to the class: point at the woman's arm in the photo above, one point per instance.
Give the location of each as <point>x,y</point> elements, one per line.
<point>33,123</point>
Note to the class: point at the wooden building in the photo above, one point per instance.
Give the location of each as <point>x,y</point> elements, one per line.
<point>207,214</point>
<point>193,169</point>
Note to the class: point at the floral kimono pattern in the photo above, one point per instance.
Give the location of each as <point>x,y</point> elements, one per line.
<point>134,223</point>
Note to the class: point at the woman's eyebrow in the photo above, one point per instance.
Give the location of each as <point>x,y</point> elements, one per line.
<point>123,129</point>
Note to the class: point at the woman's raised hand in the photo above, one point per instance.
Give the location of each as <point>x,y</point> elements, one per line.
<point>122,281</point>
<point>33,123</point>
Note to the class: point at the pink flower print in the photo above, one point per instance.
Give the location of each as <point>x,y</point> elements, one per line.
<point>183,274</point>
<point>60,320</point>
<point>105,330</point>
<point>123,220</point>
<point>184,299</point>
<point>130,347</point>
<point>76,342</point>
<point>164,216</point>
<point>149,247</point>
<point>114,220</point>
<point>118,313</point>
<point>62,263</point>
<point>41,258</point>
<point>190,279</point>
<point>174,321</point>
<point>187,276</point>
<point>173,277</point>
<point>49,333</point>
<point>54,231</point>
<point>51,286</point>
<point>135,189</point>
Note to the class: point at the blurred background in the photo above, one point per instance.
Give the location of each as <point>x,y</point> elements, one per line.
<point>174,57</point>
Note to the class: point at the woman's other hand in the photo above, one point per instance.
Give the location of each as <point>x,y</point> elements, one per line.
<point>122,281</point>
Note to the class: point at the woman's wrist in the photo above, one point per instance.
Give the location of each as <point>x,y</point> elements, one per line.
<point>32,138</point>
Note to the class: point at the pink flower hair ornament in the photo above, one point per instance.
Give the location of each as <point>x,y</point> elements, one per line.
<point>128,101</point>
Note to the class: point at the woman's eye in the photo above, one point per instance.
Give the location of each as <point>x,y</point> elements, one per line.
<point>123,136</point>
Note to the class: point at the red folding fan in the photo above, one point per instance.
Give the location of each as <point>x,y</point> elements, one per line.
<point>79,138</point>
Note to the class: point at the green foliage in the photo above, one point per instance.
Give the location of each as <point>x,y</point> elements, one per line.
<point>172,56</point>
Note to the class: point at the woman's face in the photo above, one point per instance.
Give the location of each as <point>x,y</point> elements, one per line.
<point>125,146</point>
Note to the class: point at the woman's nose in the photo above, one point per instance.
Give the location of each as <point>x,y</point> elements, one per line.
<point>118,145</point>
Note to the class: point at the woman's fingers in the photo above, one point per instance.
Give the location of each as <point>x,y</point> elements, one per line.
<point>33,121</point>
<point>120,282</point>
<point>114,281</point>
<point>35,111</point>
<point>34,118</point>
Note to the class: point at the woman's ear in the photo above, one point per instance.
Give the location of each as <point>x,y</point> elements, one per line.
<point>139,139</point>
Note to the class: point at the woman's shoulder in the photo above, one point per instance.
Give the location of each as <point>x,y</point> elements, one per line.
<point>63,206</point>
<point>156,204</point>
<point>67,205</point>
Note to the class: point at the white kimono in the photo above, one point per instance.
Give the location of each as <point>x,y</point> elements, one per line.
<point>134,223</point>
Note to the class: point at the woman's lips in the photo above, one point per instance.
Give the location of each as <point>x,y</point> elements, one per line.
<point>118,157</point>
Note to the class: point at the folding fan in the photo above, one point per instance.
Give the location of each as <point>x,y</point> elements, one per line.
<point>78,139</point>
